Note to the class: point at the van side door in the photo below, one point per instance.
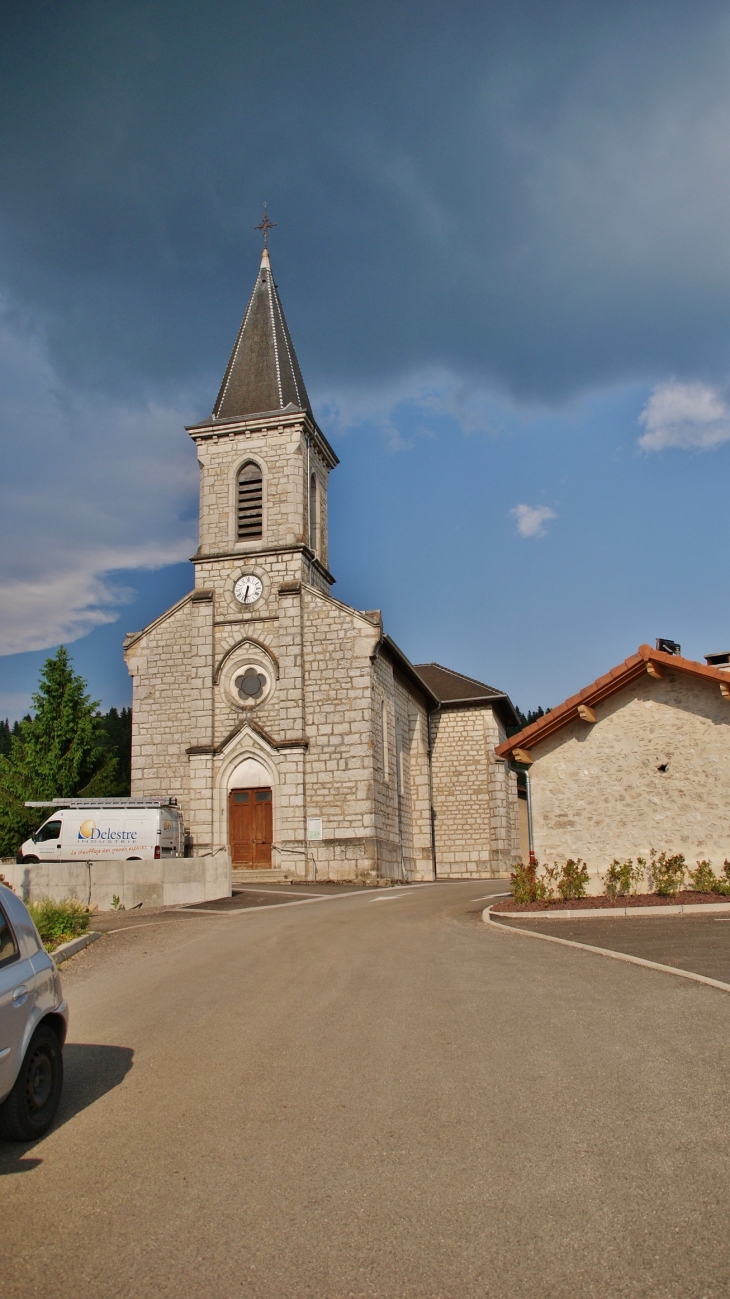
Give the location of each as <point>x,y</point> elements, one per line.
<point>47,840</point>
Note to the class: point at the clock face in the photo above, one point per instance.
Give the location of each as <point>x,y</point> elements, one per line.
<point>248,589</point>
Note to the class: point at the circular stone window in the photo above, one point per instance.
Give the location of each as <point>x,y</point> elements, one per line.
<point>249,684</point>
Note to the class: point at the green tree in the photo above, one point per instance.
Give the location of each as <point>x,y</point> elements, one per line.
<point>60,751</point>
<point>118,740</point>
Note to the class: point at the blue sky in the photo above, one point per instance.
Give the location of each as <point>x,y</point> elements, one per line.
<point>502,247</point>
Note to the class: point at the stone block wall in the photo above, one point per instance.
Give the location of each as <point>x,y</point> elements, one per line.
<point>279,447</point>
<point>385,780</point>
<point>337,643</point>
<point>654,771</point>
<point>474,796</point>
<point>167,663</point>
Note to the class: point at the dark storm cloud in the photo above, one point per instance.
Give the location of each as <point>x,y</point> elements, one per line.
<point>536,196</point>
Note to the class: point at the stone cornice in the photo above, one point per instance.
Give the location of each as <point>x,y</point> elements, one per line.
<point>213,430</point>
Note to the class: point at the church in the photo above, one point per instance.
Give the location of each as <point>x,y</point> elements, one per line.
<point>292,730</point>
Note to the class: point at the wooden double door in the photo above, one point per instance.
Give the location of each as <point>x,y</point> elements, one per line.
<point>250,827</point>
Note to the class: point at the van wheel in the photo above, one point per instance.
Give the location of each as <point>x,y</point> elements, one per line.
<point>30,1109</point>
<point>28,861</point>
<point>133,858</point>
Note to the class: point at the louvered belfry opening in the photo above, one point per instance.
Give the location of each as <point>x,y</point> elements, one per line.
<point>250,504</point>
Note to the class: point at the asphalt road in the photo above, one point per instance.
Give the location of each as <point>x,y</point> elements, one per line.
<point>374,1095</point>
<point>699,943</point>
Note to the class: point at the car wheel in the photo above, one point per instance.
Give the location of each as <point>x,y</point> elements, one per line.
<point>29,860</point>
<point>29,1110</point>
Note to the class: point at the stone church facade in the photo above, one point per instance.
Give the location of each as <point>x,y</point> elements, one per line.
<point>290,727</point>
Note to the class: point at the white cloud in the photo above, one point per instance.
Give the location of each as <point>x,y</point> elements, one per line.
<point>531,519</point>
<point>90,487</point>
<point>685,415</point>
<point>415,401</point>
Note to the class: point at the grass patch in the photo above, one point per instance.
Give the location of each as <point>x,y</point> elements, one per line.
<point>58,922</point>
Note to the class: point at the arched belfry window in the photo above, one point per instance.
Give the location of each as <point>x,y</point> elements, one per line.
<point>313,513</point>
<point>250,503</point>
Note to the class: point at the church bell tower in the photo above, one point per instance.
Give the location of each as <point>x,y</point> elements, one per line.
<point>264,467</point>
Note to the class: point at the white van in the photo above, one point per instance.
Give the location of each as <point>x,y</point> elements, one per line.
<point>131,829</point>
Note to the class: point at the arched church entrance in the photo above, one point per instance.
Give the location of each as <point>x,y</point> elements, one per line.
<point>250,816</point>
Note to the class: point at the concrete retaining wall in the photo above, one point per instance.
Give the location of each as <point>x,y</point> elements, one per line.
<point>168,882</point>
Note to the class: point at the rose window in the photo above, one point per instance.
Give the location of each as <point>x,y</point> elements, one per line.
<point>250,685</point>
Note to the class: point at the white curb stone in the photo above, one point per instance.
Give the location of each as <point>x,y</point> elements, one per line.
<point>66,950</point>
<point>601,913</point>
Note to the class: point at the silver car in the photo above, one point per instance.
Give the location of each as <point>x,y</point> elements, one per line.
<point>33,1024</point>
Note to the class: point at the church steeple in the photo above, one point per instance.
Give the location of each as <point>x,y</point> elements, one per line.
<point>263,373</point>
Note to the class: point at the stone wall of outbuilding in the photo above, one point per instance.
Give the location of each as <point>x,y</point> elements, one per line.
<point>653,771</point>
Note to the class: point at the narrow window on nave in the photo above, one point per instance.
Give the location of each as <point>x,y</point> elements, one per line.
<point>384,722</point>
<point>313,513</point>
<point>250,503</point>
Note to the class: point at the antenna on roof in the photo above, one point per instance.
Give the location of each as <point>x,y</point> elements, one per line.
<point>668,646</point>
<point>265,226</point>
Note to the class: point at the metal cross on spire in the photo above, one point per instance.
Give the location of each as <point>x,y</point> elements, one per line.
<point>265,226</point>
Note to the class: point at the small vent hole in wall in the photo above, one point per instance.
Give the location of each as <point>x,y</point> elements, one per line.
<point>662,766</point>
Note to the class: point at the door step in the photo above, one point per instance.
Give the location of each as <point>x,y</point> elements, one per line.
<point>269,875</point>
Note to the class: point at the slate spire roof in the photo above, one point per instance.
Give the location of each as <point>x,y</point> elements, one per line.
<point>263,373</point>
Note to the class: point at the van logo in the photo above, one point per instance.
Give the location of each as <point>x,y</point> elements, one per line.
<point>86,829</point>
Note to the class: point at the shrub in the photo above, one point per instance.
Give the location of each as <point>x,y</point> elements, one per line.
<point>623,877</point>
<point>57,922</point>
<point>526,887</point>
<point>568,881</point>
<point>549,881</point>
<point>704,879</point>
<point>667,872</point>
<point>573,879</point>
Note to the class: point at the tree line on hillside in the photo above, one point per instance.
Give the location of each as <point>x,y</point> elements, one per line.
<point>526,719</point>
<point>63,748</point>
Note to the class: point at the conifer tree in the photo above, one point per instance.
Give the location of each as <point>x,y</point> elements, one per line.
<point>60,751</point>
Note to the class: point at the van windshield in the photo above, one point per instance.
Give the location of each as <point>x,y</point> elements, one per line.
<point>51,830</point>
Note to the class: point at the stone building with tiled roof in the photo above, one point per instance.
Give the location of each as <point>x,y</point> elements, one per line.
<point>639,759</point>
<point>294,732</point>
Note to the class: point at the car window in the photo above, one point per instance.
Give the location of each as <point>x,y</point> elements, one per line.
<point>8,946</point>
<point>51,830</point>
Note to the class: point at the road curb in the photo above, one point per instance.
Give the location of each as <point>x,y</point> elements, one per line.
<point>604,951</point>
<point>75,945</point>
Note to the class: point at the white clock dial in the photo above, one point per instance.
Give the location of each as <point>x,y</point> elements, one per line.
<point>248,589</point>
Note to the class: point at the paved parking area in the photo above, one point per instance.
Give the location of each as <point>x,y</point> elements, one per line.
<point>242,899</point>
<point>700,944</point>
<point>138,933</point>
<point>375,1097</point>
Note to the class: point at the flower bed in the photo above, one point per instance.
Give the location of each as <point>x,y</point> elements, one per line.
<point>687,897</point>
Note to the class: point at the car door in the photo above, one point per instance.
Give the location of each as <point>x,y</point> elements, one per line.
<point>17,991</point>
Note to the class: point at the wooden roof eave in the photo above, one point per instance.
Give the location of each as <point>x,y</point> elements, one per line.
<point>619,677</point>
